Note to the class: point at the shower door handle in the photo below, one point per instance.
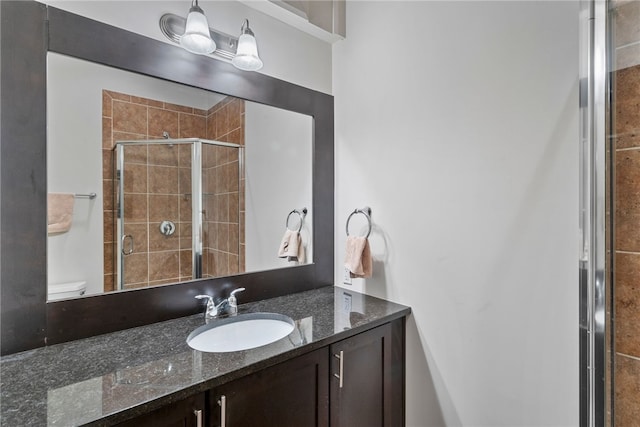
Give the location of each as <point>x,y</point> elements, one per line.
<point>128,251</point>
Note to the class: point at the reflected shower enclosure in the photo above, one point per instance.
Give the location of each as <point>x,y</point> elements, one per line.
<point>177,211</point>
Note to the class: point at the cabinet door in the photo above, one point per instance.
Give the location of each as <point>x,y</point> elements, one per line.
<point>367,381</point>
<point>180,414</point>
<point>294,393</point>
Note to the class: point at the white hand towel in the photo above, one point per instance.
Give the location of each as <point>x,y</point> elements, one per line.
<point>59,212</point>
<point>291,247</point>
<point>358,257</point>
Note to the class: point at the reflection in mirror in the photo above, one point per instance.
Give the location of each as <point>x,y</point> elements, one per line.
<point>146,146</point>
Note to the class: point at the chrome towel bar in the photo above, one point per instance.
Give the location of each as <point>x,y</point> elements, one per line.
<point>301,212</point>
<point>90,196</point>
<point>366,211</point>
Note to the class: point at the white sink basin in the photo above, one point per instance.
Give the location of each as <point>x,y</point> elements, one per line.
<point>240,332</point>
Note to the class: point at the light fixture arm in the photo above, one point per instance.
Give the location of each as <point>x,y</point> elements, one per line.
<point>244,29</point>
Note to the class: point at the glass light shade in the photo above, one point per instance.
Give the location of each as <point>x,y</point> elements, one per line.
<point>247,58</point>
<point>196,38</point>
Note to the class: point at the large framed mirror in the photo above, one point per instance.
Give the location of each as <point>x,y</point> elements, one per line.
<point>154,182</point>
<point>33,167</point>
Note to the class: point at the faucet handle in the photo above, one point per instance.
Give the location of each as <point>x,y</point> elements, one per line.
<point>205,296</point>
<point>233,301</point>
<point>210,302</point>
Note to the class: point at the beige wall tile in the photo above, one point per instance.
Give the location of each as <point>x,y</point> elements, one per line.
<point>163,207</point>
<point>135,178</point>
<point>146,101</point>
<point>192,126</point>
<point>627,200</point>
<point>233,178</point>
<point>164,265</point>
<point>184,178</point>
<point>163,180</point>
<point>184,156</point>
<point>135,207</point>
<point>130,118</point>
<point>627,303</point>
<point>222,264</point>
<point>107,99</point>
<point>163,121</point>
<point>107,195</point>
<point>136,268</point>
<point>627,107</point>
<point>136,154</point>
<point>627,393</point>
<point>178,108</point>
<point>234,267</point>
<point>184,230</point>
<point>109,283</point>
<point>234,240</point>
<point>108,254</point>
<point>163,155</point>
<point>185,206</point>
<point>107,134</point>
<point>234,208</point>
<point>118,95</point>
<point>108,222</point>
<point>234,112</point>
<point>186,264</point>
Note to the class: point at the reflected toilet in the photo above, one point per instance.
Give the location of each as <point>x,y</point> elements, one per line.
<point>66,290</point>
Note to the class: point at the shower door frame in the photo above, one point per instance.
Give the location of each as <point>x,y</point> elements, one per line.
<point>595,196</point>
<point>197,213</point>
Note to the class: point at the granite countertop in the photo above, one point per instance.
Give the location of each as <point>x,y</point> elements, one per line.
<point>109,378</point>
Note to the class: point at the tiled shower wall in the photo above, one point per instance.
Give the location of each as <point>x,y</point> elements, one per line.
<point>223,188</point>
<point>158,187</point>
<point>626,129</point>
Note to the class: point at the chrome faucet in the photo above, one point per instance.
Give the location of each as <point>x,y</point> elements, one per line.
<point>228,306</point>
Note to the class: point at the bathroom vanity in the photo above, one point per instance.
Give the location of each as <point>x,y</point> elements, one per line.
<point>121,358</point>
<point>344,361</point>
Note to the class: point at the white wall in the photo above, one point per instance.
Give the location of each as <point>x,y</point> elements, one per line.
<point>278,170</point>
<point>288,54</point>
<point>457,122</point>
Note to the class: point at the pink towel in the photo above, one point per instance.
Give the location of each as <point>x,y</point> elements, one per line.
<point>358,257</point>
<point>291,247</point>
<point>59,212</point>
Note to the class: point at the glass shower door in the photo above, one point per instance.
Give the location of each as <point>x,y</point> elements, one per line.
<point>154,213</point>
<point>179,212</point>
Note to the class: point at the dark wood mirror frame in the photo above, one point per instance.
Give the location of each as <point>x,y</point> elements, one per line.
<point>28,31</point>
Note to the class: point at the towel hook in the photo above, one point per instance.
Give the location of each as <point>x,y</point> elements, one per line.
<point>366,211</point>
<point>302,213</point>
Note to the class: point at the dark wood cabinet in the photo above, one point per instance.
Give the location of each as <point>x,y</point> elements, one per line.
<point>367,380</point>
<point>292,394</point>
<point>189,412</point>
<point>356,382</point>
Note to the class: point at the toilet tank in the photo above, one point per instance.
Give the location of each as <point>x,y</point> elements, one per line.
<point>66,290</point>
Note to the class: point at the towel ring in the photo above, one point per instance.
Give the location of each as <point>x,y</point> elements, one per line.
<point>366,211</point>
<point>302,213</point>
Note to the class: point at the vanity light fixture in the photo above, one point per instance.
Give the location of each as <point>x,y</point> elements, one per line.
<point>195,36</point>
<point>247,55</point>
